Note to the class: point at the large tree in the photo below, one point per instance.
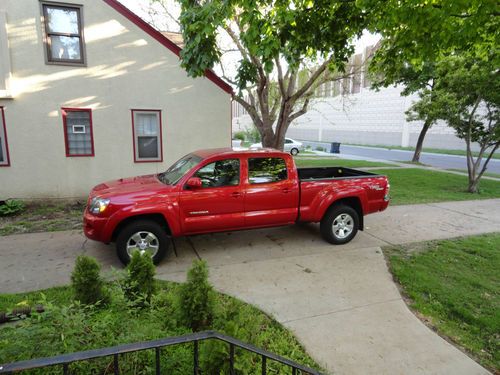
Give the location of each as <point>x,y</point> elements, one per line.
<point>276,41</point>
<point>418,33</point>
<point>467,96</point>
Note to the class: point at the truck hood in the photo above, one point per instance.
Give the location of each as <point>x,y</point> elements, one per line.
<point>131,188</point>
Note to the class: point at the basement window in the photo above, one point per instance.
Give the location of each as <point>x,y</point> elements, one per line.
<point>63,36</point>
<point>78,134</point>
<point>4,147</point>
<point>146,127</point>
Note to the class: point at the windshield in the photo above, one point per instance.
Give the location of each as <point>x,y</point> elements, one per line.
<point>173,174</point>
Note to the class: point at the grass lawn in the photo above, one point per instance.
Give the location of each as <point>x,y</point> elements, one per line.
<point>412,186</point>
<point>328,162</point>
<point>66,328</point>
<point>48,217</point>
<point>496,155</point>
<point>455,286</point>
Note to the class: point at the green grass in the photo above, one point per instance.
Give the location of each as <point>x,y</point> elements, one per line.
<point>327,162</point>
<point>66,328</point>
<point>455,285</point>
<point>412,186</point>
<point>496,155</point>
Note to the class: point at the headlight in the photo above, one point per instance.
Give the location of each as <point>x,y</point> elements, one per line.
<point>98,205</point>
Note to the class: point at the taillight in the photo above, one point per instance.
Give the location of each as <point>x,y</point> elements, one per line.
<point>387,190</point>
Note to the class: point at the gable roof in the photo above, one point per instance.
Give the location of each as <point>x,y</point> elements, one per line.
<point>165,41</point>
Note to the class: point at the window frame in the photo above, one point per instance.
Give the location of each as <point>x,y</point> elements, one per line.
<point>266,182</point>
<point>135,143</point>
<point>5,163</point>
<point>49,60</point>
<point>64,112</point>
<point>215,161</point>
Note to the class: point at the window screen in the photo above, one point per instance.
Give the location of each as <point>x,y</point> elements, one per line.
<point>63,33</point>
<point>78,128</point>
<point>265,170</point>
<point>147,135</point>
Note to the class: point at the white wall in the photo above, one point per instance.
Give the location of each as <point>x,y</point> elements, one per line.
<point>126,69</point>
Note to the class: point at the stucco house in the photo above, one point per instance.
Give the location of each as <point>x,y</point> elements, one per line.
<point>90,92</point>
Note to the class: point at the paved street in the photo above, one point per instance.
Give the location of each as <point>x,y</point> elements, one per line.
<point>435,160</point>
<point>340,301</point>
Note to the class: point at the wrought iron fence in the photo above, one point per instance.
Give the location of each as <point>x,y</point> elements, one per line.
<point>66,359</point>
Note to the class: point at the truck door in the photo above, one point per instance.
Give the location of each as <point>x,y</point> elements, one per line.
<point>216,205</point>
<point>271,193</point>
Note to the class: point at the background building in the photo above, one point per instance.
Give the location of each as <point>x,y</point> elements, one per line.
<point>349,111</point>
<point>90,92</point>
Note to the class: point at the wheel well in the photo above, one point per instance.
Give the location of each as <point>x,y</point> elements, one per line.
<point>157,218</point>
<point>355,203</point>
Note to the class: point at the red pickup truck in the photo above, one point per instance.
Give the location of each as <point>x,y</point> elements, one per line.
<point>224,190</point>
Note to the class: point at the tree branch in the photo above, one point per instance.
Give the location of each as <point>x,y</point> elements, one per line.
<point>302,111</point>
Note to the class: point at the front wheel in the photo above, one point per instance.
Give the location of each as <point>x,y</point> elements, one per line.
<point>340,224</point>
<point>294,151</point>
<point>144,236</point>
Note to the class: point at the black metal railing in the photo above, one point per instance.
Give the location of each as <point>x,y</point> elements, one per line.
<point>66,359</point>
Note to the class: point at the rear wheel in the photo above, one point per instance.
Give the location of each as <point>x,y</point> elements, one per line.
<point>340,224</point>
<point>144,236</point>
<point>294,151</point>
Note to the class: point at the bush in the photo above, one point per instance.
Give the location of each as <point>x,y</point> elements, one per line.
<point>87,284</point>
<point>239,135</point>
<point>252,134</point>
<point>196,298</point>
<point>139,285</point>
<point>11,207</point>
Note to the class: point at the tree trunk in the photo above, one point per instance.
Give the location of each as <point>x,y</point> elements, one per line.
<point>474,186</point>
<point>420,141</point>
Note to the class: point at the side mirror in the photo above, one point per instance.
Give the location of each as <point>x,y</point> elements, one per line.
<point>194,183</point>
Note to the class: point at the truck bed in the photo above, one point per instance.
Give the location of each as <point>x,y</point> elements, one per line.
<point>323,173</point>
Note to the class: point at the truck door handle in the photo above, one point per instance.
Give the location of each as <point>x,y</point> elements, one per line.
<point>236,194</point>
<point>286,190</point>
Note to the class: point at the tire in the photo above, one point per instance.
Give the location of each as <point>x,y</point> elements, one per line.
<point>147,236</point>
<point>294,151</point>
<point>346,222</point>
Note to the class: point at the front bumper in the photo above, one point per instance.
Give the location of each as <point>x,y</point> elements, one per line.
<point>93,227</point>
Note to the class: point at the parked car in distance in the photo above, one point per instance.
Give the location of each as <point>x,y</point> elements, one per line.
<point>292,146</point>
<point>220,190</point>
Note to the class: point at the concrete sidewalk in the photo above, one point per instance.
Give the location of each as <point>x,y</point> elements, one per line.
<point>340,301</point>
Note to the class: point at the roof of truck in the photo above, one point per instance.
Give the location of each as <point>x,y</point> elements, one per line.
<point>206,153</point>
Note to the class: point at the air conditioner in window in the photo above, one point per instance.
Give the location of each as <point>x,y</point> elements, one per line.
<point>79,129</point>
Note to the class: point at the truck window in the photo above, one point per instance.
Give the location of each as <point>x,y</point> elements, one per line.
<point>220,173</point>
<point>265,170</point>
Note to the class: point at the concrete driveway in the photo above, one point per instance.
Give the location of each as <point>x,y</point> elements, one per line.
<point>340,301</point>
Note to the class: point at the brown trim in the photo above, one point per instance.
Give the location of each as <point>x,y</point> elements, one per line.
<point>7,156</point>
<point>64,112</point>
<point>160,136</point>
<point>47,34</point>
<point>155,34</point>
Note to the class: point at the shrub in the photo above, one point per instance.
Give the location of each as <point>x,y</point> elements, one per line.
<point>11,207</point>
<point>139,285</point>
<point>252,134</point>
<point>196,298</point>
<point>239,135</point>
<point>87,284</point>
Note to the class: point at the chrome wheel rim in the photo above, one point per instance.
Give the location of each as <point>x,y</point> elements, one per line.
<point>144,242</point>
<point>343,226</point>
<point>294,151</point>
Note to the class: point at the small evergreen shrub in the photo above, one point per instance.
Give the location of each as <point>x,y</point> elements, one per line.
<point>87,284</point>
<point>196,298</point>
<point>239,135</point>
<point>11,207</point>
<point>139,285</point>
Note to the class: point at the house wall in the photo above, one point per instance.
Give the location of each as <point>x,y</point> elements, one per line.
<point>126,69</point>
